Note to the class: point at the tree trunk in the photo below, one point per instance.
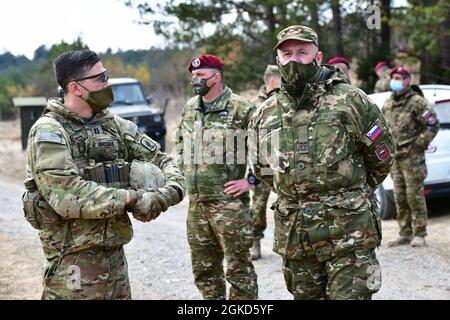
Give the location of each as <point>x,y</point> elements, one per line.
<point>313,8</point>
<point>444,48</point>
<point>385,28</point>
<point>337,27</point>
<point>270,24</point>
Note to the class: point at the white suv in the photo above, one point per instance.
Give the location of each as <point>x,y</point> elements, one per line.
<point>437,156</point>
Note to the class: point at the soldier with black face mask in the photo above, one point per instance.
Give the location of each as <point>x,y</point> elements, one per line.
<point>219,222</point>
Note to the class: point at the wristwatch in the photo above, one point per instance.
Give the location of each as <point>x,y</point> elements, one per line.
<point>252,179</point>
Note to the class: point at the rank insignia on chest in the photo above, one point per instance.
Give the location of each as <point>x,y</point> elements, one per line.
<point>374,132</point>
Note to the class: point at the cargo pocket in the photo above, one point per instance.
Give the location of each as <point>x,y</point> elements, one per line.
<point>287,241</point>
<point>37,211</point>
<point>355,225</point>
<point>333,142</point>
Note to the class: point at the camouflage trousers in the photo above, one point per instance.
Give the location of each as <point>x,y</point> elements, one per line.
<point>259,208</point>
<point>354,275</point>
<point>408,175</point>
<point>89,274</point>
<point>216,230</point>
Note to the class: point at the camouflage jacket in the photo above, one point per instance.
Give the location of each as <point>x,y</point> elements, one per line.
<point>327,152</point>
<point>412,121</point>
<point>88,213</point>
<point>211,144</point>
<point>262,96</point>
<point>383,84</point>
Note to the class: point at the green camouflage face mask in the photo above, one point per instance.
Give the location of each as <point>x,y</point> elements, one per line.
<point>199,85</point>
<point>298,74</point>
<point>100,99</point>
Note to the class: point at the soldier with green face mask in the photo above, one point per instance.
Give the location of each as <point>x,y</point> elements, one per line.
<point>80,180</point>
<point>323,147</point>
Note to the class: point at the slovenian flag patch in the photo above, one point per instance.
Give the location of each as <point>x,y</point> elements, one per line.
<point>374,132</point>
<point>426,114</point>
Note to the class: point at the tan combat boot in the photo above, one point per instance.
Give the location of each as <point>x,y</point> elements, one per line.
<point>418,242</point>
<point>256,250</point>
<point>401,240</point>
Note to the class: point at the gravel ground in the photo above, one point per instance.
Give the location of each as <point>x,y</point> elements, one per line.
<point>160,267</point>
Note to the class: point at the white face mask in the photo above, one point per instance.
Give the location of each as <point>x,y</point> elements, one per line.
<point>396,85</point>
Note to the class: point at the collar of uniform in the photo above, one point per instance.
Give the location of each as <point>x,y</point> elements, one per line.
<point>400,99</point>
<point>262,93</point>
<point>55,105</point>
<point>307,100</point>
<point>219,104</point>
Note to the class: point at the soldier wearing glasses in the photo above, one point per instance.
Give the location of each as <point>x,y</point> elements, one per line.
<point>77,181</point>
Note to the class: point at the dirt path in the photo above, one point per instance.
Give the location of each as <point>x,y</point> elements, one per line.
<point>160,267</point>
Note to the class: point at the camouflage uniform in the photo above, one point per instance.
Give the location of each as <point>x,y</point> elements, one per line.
<point>383,84</point>
<point>218,224</point>
<point>83,224</point>
<point>261,193</point>
<point>327,150</point>
<point>413,124</point>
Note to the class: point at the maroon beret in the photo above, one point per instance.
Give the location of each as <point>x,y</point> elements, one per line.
<point>404,71</point>
<point>205,61</point>
<point>380,64</point>
<point>338,60</point>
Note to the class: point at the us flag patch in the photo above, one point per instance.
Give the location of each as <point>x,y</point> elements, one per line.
<point>374,132</point>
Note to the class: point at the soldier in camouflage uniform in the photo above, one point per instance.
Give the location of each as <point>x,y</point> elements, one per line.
<point>77,183</point>
<point>323,147</point>
<point>219,221</point>
<point>272,82</point>
<point>383,72</point>
<point>414,124</point>
<point>341,63</point>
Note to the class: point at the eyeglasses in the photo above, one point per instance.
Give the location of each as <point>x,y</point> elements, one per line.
<point>102,77</point>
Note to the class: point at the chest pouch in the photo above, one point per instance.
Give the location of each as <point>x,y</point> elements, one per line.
<point>102,147</point>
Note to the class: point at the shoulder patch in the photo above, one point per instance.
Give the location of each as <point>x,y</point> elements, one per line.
<point>149,144</point>
<point>374,132</point>
<point>426,114</point>
<point>48,136</point>
<point>383,152</point>
<point>131,130</point>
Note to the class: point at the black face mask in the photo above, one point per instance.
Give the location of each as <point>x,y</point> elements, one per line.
<point>199,85</point>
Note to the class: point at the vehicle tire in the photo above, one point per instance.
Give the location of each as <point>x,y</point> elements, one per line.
<point>162,143</point>
<point>386,203</point>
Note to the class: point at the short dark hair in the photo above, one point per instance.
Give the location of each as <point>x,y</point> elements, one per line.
<point>72,65</point>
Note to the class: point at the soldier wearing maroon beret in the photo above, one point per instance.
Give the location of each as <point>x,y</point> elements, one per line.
<point>382,70</point>
<point>341,63</point>
<point>414,124</point>
<point>219,222</point>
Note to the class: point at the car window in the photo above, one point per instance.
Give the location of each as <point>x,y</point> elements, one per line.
<point>442,108</point>
<point>128,94</point>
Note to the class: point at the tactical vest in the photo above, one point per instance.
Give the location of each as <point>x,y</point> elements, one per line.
<point>99,152</point>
